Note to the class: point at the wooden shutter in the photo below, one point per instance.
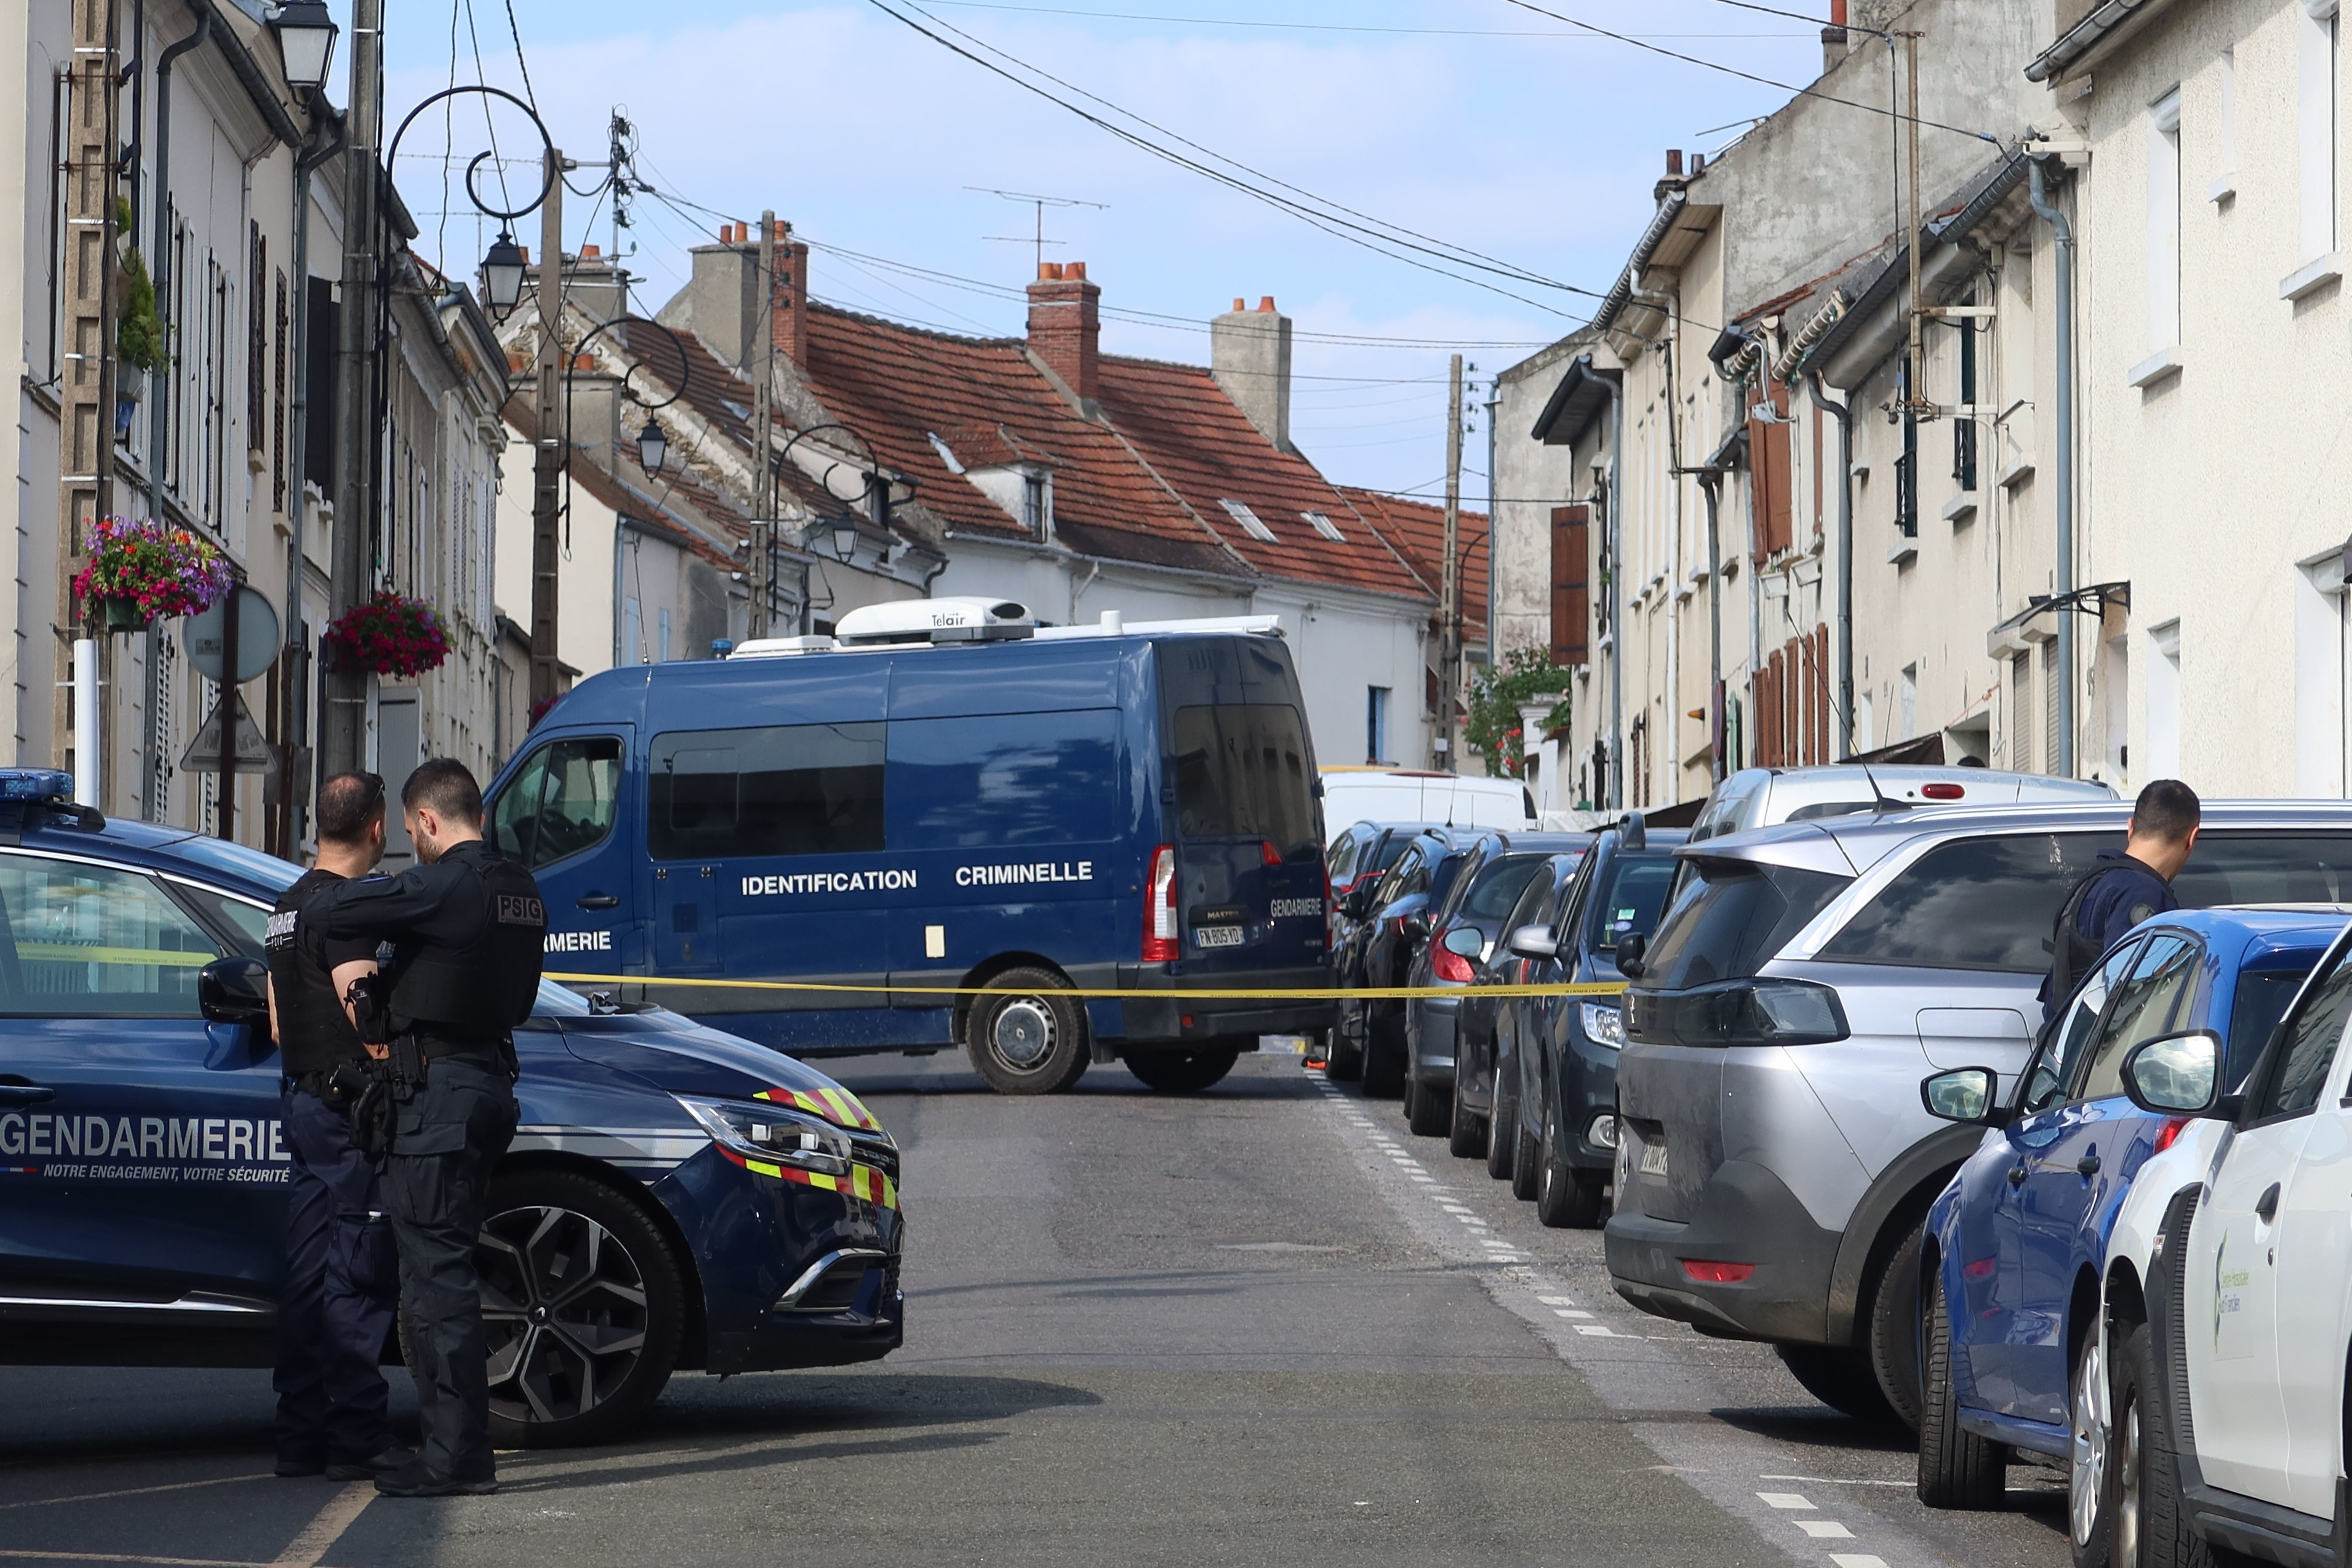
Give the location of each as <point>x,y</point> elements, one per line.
<point>1572,584</point>
<point>1770,471</point>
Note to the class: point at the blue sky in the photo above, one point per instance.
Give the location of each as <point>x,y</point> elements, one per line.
<point>1474,121</point>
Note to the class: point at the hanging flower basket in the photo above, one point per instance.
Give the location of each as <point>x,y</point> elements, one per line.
<point>391,635</point>
<point>145,572</point>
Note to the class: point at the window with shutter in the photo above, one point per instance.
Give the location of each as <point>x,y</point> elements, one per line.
<point>1572,584</point>
<point>1771,467</point>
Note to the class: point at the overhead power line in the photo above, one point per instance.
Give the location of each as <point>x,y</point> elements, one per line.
<point>1341,26</point>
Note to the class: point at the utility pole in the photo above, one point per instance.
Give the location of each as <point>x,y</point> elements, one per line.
<point>342,720</point>
<point>764,422</point>
<point>86,387</point>
<point>1911,200</point>
<point>1449,613</point>
<point>547,463</point>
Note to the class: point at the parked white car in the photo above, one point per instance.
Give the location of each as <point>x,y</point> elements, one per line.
<point>2227,1301</point>
<point>1760,798</point>
<point>1412,795</point>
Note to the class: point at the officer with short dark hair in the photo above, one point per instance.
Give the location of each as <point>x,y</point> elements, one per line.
<point>468,930</point>
<point>2126,886</point>
<point>335,1311</point>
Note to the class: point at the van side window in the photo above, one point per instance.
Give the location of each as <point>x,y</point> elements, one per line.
<point>1243,772</point>
<point>1974,903</point>
<point>562,801</point>
<point>787,789</point>
<point>1030,778</point>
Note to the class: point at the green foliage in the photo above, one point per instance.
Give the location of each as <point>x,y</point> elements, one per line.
<point>138,331</point>
<point>1496,694</point>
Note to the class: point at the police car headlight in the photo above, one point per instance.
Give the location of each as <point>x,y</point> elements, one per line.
<point>1604,1025</point>
<point>769,1132</point>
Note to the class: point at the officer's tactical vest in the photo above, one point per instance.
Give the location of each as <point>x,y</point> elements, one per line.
<point>488,987</point>
<point>309,1014</point>
<point>2072,953</point>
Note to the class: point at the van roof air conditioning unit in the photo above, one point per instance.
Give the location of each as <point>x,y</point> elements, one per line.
<point>935,621</point>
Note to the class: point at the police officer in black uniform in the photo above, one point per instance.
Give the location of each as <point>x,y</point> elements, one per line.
<point>468,930</point>
<point>2126,886</point>
<point>335,1311</point>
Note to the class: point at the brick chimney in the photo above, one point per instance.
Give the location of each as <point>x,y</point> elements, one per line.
<point>1835,41</point>
<point>1065,324</point>
<point>723,299</point>
<point>788,315</point>
<point>1249,355</point>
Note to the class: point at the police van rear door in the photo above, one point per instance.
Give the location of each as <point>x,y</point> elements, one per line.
<point>1247,828</point>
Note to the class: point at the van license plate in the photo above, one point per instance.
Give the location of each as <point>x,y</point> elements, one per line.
<point>1216,936</point>
<point>1653,1158</point>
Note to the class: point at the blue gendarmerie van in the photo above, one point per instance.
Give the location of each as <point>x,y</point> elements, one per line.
<point>944,794</point>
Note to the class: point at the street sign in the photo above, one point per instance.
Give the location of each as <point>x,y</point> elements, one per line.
<point>206,635</point>
<point>253,752</point>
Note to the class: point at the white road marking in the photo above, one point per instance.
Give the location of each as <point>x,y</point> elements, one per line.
<point>1597,1331</point>
<point>1824,1529</point>
<point>1557,1300</point>
<point>1570,1313</point>
<point>1856,1560</point>
<point>1838,1481</point>
<point>1785,1500</point>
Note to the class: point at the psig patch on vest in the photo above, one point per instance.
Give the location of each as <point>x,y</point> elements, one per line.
<point>517,909</point>
<point>281,928</point>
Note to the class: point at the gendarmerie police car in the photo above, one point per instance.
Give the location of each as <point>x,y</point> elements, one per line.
<point>674,1198</point>
<point>944,794</point>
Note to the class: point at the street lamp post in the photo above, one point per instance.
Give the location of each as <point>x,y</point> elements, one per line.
<point>874,489</point>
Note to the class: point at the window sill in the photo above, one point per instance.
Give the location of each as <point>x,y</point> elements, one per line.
<point>2311,275</point>
<point>1906,552</point>
<point>2019,470</point>
<point>2156,367</point>
<point>2223,189</point>
<point>1961,508</point>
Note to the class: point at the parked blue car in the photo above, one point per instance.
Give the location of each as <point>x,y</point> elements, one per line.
<point>2014,1246</point>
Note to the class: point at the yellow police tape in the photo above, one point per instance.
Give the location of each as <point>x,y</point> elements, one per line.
<point>1304,994</point>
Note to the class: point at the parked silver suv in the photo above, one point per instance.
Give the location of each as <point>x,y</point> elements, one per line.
<point>1774,1160</point>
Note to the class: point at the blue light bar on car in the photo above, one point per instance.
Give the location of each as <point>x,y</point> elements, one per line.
<point>35,784</point>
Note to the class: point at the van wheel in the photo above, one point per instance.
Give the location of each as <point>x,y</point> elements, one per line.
<point>1890,1316</point>
<point>1182,1072</point>
<point>1839,1377</point>
<point>1566,1197</point>
<point>1956,1469</point>
<point>1032,1041</point>
<point>582,1303</point>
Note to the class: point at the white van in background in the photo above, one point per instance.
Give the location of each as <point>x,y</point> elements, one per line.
<point>1762,798</point>
<point>1353,795</point>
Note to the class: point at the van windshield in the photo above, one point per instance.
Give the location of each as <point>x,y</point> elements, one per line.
<point>1731,919</point>
<point>1243,772</point>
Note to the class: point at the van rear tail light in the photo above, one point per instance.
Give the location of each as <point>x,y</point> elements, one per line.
<point>1160,931</point>
<point>1707,1273</point>
<point>1944,791</point>
<point>1754,1012</point>
<point>1268,853</point>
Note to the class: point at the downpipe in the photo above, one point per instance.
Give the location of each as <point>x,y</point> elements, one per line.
<point>1845,418</point>
<point>2038,193</point>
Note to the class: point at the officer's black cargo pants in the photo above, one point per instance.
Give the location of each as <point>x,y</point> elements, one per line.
<point>335,1311</point>
<point>450,1136</point>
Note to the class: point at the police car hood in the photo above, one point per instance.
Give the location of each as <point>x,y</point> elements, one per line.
<point>678,1055</point>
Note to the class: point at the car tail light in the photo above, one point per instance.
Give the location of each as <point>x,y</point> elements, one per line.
<point>1760,1011</point>
<point>1159,934</point>
<point>1944,791</point>
<point>1707,1273</point>
<point>1268,853</point>
<point>2169,1134</point>
<point>1451,966</point>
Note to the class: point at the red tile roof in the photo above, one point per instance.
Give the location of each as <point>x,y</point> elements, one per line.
<point>1417,529</point>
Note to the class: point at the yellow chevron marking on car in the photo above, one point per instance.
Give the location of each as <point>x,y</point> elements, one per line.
<point>1261,993</point>
<point>838,1106</point>
<point>863,1181</point>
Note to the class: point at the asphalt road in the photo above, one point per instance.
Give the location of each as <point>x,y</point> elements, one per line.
<point>1261,1325</point>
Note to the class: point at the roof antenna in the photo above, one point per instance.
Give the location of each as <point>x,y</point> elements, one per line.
<point>1879,803</point>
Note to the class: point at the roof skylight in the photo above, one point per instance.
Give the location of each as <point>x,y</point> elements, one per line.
<point>1248,520</point>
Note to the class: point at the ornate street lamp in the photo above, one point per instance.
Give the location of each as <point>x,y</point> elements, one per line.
<point>653,447</point>
<point>502,270</point>
<point>305,41</point>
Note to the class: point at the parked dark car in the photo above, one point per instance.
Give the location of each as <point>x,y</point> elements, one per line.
<point>1476,1038</point>
<point>1394,917</point>
<point>1565,1048</point>
<point>1357,856</point>
<point>1463,937</point>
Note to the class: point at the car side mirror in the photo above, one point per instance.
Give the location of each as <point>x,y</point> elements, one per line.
<point>2177,1074</point>
<point>1353,902</point>
<point>1630,954</point>
<point>1963,1095</point>
<point>1463,942</point>
<point>234,990</point>
<point>1534,942</point>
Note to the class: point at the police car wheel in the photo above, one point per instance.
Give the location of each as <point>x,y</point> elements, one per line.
<point>584,1304</point>
<point>1032,1041</point>
<point>1182,1072</point>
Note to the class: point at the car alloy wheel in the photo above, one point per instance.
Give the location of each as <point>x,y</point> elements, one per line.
<point>2086,1472</point>
<point>564,1307</point>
